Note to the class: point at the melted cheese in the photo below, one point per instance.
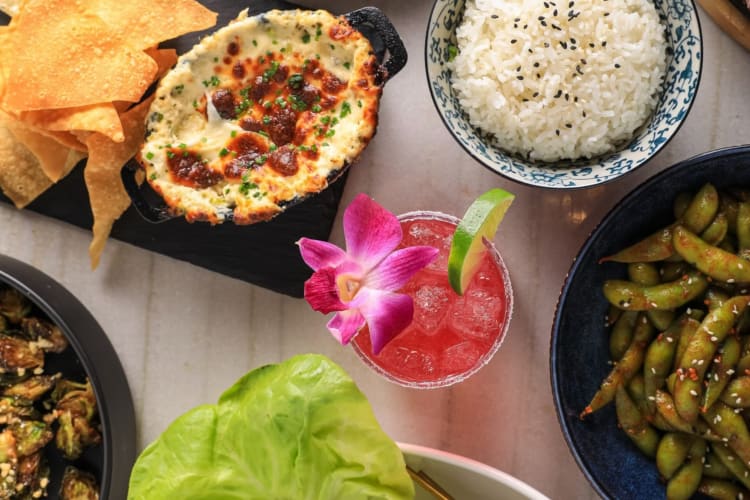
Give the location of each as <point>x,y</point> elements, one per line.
<point>315,66</point>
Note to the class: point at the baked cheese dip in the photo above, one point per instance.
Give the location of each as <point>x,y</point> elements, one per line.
<point>263,112</point>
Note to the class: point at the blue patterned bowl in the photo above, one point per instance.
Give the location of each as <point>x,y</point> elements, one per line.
<point>579,349</point>
<point>683,75</point>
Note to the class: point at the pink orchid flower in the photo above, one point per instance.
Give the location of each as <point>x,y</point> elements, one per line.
<point>360,284</point>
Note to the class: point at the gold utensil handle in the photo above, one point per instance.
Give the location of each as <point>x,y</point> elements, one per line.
<point>731,20</point>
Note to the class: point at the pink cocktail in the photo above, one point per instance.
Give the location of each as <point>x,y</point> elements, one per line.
<point>451,336</point>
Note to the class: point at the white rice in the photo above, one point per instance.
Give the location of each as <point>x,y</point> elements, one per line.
<point>548,94</point>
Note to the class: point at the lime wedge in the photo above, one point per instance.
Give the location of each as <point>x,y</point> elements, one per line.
<point>480,221</point>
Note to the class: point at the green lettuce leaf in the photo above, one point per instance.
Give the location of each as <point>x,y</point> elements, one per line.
<point>300,429</point>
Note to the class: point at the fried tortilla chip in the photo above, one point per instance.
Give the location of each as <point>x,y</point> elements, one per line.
<point>101,118</point>
<point>107,195</point>
<point>83,62</point>
<point>21,176</point>
<point>145,23</point>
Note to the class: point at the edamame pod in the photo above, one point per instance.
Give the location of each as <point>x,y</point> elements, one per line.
<point>622,334</point>
<point>644,273</point>
<point>635,426</point>
<point>613,314</point>
<point>687,332</point>
<point>731,427</point>
<point>672,452</point>
<point>657,364</point>
<point>711,260</point>
<point>684,483</point>
<point>713,467</point>
<point>703,345</point>
<point>653,248</point>
<point>631,362</point>
<point>721,371</point>
<point>737,392</point>
<point>743,228</point>
<point>633,297</point>
<point>702,209</point>
<point>720,490</point>
<point>732,462</point>
<point>730,207</point>
<point>717,230</point>
<point>671,271</point>
<point>681,203</point>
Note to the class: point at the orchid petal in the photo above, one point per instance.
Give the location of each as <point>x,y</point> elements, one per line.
<point>386,313</point>
<point>318,254</point>
<point>396,269</point>
<point>321,291</point>
<point>371,231</point>
<point>345,324</point>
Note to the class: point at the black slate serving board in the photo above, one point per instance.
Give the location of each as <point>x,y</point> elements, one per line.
<point>264,254</point>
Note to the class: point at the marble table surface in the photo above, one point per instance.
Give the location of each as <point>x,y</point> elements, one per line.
<point>184,333</point>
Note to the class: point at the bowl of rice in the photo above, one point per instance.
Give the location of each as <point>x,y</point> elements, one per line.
<point>563,94</point>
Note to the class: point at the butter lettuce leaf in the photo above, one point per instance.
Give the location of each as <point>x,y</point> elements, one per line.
<point>300,429</point>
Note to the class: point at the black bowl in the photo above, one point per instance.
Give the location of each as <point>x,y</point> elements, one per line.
<point>579,350</point>
<point>90,354</point>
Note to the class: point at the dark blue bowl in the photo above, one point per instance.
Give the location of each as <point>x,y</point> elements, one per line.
<point>579,350</point>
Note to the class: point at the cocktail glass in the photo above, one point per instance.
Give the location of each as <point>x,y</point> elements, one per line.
<point>451,337</point>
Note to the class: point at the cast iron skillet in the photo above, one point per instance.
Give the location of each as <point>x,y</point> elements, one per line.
<point>391,53</point>
<point>90,354</point>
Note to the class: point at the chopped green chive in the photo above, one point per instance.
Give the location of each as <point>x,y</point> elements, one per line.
<point>149,155</point>
<point>223,152</point>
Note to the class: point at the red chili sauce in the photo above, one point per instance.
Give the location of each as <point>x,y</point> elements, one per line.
<point>274,96</point>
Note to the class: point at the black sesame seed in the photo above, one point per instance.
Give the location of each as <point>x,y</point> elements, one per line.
<point>554,12</point>
<point>554,26</point>
<point>544,23</point>
<point>584,61</point>
<point>567,97</point>
<point>573,47</point>
<point>525,100</point>
<point>546,45</point>
<point>536,64</point>
<point>546,5</point>
<point>541,18</point>
<point>575,99</point>
<point>604,43</point>
<point>525,26</point>
<point>494,16</point>
<point>538,76</point>
<point>517,19</point>
<point>557,131</point>
<point>531,51</point>
<point>573,41</point>
<point>559,93</point>
<point>519,77</point>
<point>515,26</point>
<point>513,41</point>
<point>536,94</point>
<point>617,66</point>
<point>568,125</point>
<point>584,114</point>
<point>571,4</point>
<point>606,14</point>
<point>592,45</point>
<point>564,45</point>
<point>518,68</point>
<point>578,69</point>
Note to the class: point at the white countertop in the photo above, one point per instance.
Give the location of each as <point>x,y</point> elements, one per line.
<point>184,333</point>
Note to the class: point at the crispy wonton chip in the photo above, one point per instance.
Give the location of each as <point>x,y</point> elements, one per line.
<point>100,118</point>
<point>51,154</point>
<point>107,195</point>
<point>165,59</point>
<point>83,61</point>
<point>145,23</point>
<point>10,7</point>
<point>21,177</point>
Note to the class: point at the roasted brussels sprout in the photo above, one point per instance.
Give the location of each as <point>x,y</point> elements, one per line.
<point>78,485</point>
<point>47,336</point>
<point>18,355</point>
<point>14,305</point>
<point>37,408</point>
